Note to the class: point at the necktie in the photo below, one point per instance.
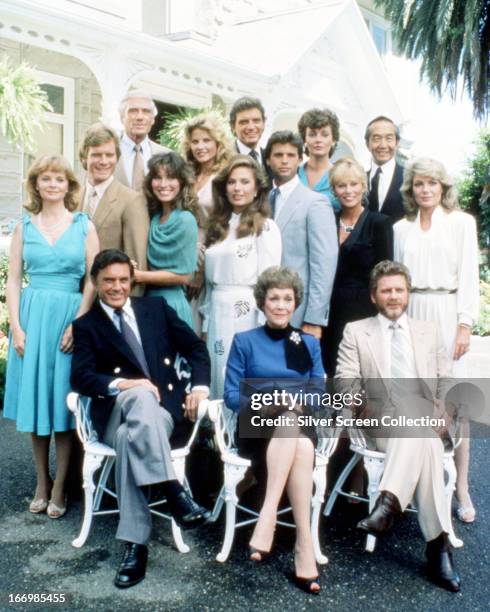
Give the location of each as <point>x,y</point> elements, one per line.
<point>253,154</point>
<point>138,169</point>
<point>131,339</point>
<point>373,194</point>
<point>400,365</point>
<point>93,201</point>
<point>272,201</point>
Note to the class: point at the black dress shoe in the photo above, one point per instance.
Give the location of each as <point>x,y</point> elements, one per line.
<point>186,513</point>
<point>133,566</point>
<point>440,566</point>
<point>381,519</point>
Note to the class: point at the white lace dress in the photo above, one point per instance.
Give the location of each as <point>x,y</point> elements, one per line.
<point>232,268</point>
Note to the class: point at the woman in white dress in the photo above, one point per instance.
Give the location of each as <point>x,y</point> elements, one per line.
<point>241,242</point>
<point>207,146</point>
<point>439,245</point>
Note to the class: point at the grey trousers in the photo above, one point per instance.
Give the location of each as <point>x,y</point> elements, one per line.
<point>139,429</point>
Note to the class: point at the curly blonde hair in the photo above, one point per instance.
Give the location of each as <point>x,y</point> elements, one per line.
<point>424,166</point>
<point>347,167</point>
<point>254,216</point>
<point>50,163</point>
<point>218,131</point>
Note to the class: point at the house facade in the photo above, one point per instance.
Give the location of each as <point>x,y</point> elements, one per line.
<point>293,54</point>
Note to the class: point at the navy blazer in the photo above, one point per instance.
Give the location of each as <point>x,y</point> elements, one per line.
<point>393,204</point>
<point>100,355</point>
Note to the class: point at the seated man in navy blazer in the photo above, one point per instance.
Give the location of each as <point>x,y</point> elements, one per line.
<point>385,176</point>
<point>123,358</point>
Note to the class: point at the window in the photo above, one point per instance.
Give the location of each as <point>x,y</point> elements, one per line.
<point>57,136</point>
<point>381,34</point>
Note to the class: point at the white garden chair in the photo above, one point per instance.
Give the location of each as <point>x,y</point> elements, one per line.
<point>99,456</point>
<point>235,467</point>
<point>373,462</point>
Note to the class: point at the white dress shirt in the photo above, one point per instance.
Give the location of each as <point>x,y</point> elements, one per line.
<point>128,154</point>
<point>99,189</point>
<point>285,191</point>
<point>244,150</point>
<point>387,334</point>
<point>385,178</point>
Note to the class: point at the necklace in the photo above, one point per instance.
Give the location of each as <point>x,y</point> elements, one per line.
<point>51,228</point>
<point>347,228</point>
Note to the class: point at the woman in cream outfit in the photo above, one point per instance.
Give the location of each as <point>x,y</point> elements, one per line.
<point>438,243</point>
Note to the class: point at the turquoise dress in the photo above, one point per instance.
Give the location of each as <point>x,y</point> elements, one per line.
<point>323,186</point>
<point>38,383</point>
<point>172,246</point>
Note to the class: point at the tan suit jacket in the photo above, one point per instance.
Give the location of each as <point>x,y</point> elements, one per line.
<point>120,172</point>
<point>122,222</point>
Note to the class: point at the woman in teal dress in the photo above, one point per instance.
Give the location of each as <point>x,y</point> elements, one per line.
<point>55,247</point>
<point>172,242</point>
<point>320,131</point>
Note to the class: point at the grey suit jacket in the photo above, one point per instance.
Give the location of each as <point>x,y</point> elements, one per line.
<point>120,172</point>
<point>310,246</point>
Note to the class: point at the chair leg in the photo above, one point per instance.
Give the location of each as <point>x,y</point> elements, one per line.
<point>354,460</point>
<point>104,475</point>
<point>320,484</point>
<point>450,469</point>
<point>233,475</point>
<point>374,469</point>
<point>218,505</point>
<point>177,535</point>
<point>91,463</point>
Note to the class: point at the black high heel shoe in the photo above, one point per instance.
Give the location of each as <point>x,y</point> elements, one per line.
<point>305,584</point>
<point>264,554</point>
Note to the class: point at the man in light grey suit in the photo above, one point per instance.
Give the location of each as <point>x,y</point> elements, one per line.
<point>377,355</point>
<point>308,230</point>
<point>138,112</point>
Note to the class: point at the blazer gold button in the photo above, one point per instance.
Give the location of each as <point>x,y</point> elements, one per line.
<point>166,361</point>
<point>117,370</point>
<point>170,386</point>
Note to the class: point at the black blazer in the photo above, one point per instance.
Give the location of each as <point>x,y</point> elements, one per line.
<point>267,170</point>
<point>100,355</point>
<point>393,204</point>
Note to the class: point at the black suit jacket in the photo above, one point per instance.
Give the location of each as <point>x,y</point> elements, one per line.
<point>393,204</point>
<point>267,170</point>
<point>100,355</point>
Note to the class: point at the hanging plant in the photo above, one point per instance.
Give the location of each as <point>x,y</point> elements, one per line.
<point>172,134</point>
<point>22,104</point>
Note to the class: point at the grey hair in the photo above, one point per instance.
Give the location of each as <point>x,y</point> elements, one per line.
<point>277,277</point>
<point>136,93</point>
<point>388,268</point>
<point>424,166</point>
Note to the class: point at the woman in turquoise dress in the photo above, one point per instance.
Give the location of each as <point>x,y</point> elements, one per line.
<point>55,247</point>
<point>320,131</point>
<point>172,241</point>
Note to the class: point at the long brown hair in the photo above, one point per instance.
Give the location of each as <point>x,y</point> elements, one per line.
<point>255,214</point>
<point>175,167</point>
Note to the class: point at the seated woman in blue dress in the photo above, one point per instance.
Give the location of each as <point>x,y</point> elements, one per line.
<point>172,241</point>
<point>319,130</point>
<point>278,351</point>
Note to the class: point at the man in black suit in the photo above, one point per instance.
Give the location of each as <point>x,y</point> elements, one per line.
<point>123,358</point>
<point>247,122</point>
<point>385,176</point>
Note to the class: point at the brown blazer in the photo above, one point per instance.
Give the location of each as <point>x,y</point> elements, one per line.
<point>122,222</point>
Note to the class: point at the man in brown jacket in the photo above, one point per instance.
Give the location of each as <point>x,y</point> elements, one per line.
<point>119,214</point>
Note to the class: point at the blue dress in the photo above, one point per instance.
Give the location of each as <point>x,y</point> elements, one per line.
<point>172,246</point>
<point>323,186</point>
<point>38,383</point>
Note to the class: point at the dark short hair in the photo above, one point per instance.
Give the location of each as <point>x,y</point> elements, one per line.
<point>388,268</point>
<point>106,258</point>
<point>284,137</point>
<point>367,133</point>
<point>317,118</point>
<point>243,104</point>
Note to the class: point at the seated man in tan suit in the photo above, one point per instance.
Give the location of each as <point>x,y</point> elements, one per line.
<point>119,214</point>
<point>392,347</point>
